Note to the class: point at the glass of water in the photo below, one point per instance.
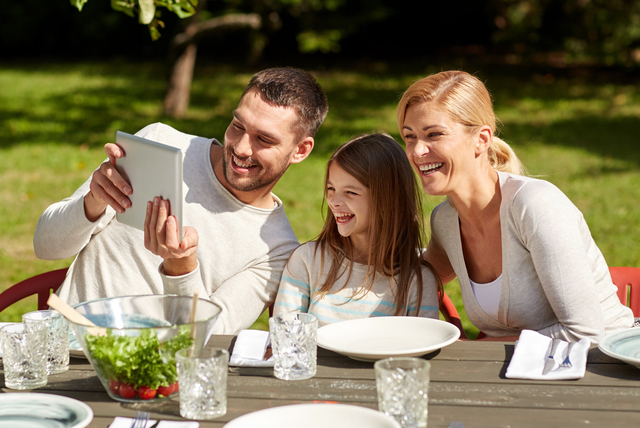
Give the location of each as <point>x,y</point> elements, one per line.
<point>57,337</point>
<point>403,386</point>
<point>293,342</point>
<point>24,354</point>
<point>202,376</point>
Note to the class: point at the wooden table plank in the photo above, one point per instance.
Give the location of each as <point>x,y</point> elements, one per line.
<point>486,417</point>
<point>560,396</point>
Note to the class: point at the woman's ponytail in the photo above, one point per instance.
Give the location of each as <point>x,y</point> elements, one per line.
<point>503,158</point>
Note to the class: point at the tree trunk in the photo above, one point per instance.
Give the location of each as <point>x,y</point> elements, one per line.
<point>182,57</point>
<point>176,101</point>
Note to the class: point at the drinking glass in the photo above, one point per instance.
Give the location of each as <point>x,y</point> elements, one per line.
<point>202,376</point>
<point>24,354</point>
<point>293,342</point>
<point>57,337</point>
<point>403,385</point>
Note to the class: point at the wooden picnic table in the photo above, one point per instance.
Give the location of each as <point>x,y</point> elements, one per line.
<point>468,384</point>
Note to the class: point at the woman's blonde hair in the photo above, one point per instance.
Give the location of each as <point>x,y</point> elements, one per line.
<point>467,101</point>
<point>395,212</point>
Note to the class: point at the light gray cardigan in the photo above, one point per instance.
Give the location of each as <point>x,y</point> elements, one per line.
<point>555,280</point>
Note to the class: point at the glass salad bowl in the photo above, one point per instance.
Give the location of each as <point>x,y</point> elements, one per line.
<point>133,346</point>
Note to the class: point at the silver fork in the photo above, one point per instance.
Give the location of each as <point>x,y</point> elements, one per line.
<point>566,364</point>
<point>141,420</point>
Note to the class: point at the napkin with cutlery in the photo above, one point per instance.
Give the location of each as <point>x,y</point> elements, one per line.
<point>250,348</point>
<point>119,422</point>
<point>532,352</point>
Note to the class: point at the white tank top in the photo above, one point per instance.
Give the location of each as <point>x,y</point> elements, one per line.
<point>488,296</point>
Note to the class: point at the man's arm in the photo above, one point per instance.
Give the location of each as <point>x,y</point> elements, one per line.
<point>242,297</point>
<point>66,226</point>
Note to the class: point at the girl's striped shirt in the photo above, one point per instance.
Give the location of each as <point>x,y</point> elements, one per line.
<point>302,279</point>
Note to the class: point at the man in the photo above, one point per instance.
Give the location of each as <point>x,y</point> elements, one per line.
<point>239,237</point>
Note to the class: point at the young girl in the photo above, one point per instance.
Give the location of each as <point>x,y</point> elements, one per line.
<point>366,261</point>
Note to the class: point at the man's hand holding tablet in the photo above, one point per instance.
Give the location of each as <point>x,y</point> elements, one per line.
<point>161,238</point>
<point>161,230</point>
<point>107,187</point>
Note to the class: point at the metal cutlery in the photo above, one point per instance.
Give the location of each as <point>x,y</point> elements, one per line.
<point>566,363</point>
<point>141,420</point>
<point>549,361</point>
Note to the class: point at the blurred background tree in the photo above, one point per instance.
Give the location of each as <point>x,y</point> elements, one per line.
<point>588,32</point>
<point>560,33</point>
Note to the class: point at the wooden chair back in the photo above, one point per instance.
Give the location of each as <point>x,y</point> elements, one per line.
<point>43,285</point>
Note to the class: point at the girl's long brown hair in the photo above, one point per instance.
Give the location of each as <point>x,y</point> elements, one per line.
<point>396,222</point>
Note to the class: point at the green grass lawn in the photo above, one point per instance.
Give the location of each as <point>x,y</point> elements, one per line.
<point>54,119</point>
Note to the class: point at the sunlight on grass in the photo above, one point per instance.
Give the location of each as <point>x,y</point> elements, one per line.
<point>55,119</point>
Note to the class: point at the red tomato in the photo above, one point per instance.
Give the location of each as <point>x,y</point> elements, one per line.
<point>114,386</point>
<point>166,390</point>
<point>146,393</point>
<point>176,387</point>
<point>127,391</point>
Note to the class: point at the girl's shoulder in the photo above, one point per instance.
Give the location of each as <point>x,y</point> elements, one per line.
<point>307,251</point>
<point>428,276</point>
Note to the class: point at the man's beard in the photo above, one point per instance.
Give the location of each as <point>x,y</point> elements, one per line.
<point>262,180</point>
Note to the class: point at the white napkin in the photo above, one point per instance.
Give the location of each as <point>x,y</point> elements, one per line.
<point>530,354</point>
<point>119,422</point>
<point>249,349</point>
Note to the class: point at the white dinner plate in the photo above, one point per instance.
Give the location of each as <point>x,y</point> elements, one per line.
<point>319,415</point>
<point>623,345</point>
<point>30,410</point>
<point>371,339</point>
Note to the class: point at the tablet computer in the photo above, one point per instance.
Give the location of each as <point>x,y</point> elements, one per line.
<point>153,169</point>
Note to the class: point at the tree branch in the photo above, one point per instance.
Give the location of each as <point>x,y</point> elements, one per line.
<point>195,31</point>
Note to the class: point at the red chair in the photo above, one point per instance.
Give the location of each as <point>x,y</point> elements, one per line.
<point>42,285</point>
<point>628,281</point>
<point>450,314</point>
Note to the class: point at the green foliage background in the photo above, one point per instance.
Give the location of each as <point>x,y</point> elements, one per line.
<point>573,127</point>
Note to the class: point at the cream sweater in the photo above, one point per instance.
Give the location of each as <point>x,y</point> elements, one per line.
<point>555,280</point>
<point>241,253</point>
<point>302,279</point>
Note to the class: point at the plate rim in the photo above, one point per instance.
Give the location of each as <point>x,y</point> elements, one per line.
<point>605,347</point>
<point>371,356</point>
<point>35,396</point>
<point>317,406</point>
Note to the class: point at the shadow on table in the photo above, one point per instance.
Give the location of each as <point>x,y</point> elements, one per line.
<point>508,353</point>
<point>166,407</point>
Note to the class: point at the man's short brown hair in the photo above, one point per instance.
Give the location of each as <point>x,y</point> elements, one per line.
<point>293,87</point>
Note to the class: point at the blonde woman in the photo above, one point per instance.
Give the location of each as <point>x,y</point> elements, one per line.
<point>521,250</point>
